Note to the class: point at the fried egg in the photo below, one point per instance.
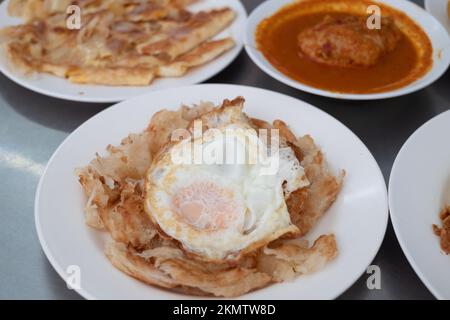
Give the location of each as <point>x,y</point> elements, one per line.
<point>222,193</point>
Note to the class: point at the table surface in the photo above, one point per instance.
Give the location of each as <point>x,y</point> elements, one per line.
<point>32,126</point>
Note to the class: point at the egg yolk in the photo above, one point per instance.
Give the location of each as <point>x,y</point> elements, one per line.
<point>205,205</point>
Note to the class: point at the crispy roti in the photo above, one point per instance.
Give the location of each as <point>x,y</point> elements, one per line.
<point>41,9</point>
<point>113,185</point>
<point>199,28</point>
<point>201,55</point>
<point>119,43</point>
<point>444,232</point>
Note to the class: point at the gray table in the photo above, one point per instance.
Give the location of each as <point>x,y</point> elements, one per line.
<point>32,126</point>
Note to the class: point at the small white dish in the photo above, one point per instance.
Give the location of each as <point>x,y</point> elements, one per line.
<point>438,8</point>
<point>419,188</point>
<point>61,88</point>
<point>358,218</point>
<point>435,31</point>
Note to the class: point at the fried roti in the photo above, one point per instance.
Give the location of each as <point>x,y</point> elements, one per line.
<point>113,187</point>
<point>119,43</point>
<point>444,232</point>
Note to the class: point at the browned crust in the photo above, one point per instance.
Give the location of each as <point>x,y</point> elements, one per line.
<point>200,28</point>
<point>444,232</point>
<point>112,76</point>
<point>186,276</point>
<point>199,56</point>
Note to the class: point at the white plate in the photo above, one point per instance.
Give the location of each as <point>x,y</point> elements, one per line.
<point>358,218</point>
<point>438,8</point>
<point>63,89</point>
<point>438,35</point>
<point>419,188</point>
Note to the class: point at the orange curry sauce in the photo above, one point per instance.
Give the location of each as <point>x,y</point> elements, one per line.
<point>276,38</point>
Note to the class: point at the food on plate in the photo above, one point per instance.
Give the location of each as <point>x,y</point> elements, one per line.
<point>448,8</point>
<point>208,227</point>
<point>444,231</point>
<point>42,9</point>
<point>336,46</point>
<point>125,42</point>
<point>347,42</point>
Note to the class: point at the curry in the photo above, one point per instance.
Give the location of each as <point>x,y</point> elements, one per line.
<point>283,40</point>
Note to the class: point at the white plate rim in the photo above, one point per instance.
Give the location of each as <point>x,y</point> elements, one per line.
<point>409,255</point>
<point>260,61</point>
<point>428,6</point>
<point>53,261</point>
<point>229,59</point>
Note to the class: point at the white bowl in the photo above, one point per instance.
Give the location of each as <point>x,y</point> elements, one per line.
<point>437,34</point>
<point>61,88</point>
<point>358,218</point>
<point>419,188</point>
<point>438,8</point>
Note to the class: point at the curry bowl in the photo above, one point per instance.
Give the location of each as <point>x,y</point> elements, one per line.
<point>290,64</point>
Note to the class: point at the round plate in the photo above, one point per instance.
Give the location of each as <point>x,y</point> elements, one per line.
<point>437,34</point>
<point>61,88</point>
<point>358,218</point>
<point>419,188</point>
<point>438,8</point>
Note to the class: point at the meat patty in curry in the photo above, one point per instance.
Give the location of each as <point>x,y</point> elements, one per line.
<point>348,42</point>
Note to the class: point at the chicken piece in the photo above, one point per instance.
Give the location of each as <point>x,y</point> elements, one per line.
<point>348,42</point>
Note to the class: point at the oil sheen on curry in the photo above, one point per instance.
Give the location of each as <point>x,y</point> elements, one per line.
<point>327,44</point>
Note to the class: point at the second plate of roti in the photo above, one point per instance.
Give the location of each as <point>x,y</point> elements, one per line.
<point>137,32</point>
